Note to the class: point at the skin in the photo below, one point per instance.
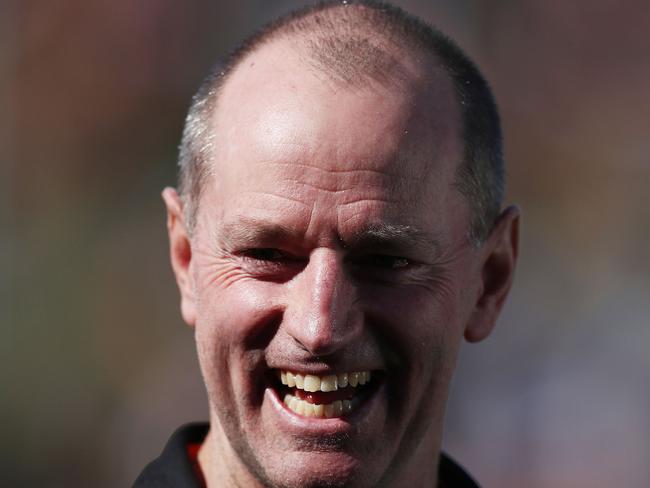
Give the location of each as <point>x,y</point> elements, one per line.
<point>283,271</point>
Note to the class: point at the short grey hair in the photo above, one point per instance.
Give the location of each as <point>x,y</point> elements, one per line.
<point>349,41</point>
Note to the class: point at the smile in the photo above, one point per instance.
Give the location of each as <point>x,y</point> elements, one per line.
<point>328,396</point>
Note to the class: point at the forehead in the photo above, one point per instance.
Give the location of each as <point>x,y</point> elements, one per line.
<point>279,121</point>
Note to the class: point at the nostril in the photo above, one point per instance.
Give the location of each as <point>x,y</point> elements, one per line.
<point>321,338</point>
<point>300,345</point>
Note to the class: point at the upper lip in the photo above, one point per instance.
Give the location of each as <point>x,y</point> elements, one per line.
<point>322,371</point>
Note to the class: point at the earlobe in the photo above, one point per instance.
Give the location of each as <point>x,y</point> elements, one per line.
<point>180,253</point>
<point>498,266</point>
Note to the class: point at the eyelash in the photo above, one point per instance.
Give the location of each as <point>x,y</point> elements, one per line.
<point>272,256</point>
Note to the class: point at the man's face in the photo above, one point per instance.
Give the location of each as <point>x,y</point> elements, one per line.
<point>330,240</point>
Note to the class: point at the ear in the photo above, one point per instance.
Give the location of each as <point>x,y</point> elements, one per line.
<point>498,259</point>
<point>180,253</point>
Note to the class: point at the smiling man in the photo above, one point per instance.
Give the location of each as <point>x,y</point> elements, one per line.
<point>338,232</point>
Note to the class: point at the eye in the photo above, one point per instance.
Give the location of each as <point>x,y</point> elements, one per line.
<point>385,262</point>
<point>268,254</point>
<point>269,263</point>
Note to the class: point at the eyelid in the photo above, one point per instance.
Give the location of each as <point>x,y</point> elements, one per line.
<point>279,255</point>
<point>251,253</point>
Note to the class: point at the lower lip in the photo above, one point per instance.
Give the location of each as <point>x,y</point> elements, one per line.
<point>299,424</point>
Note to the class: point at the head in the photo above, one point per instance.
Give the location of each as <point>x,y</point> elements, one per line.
<point>339,214</point>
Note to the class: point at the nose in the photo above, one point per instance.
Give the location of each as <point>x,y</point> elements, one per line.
<point>321,311</point>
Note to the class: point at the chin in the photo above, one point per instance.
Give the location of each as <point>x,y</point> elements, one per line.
<point>320,469</point>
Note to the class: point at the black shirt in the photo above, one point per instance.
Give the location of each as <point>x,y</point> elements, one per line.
<point>174,468</point>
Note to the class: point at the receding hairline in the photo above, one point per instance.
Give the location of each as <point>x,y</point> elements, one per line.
<point>416,76</point>
<point>410,70</point>
<point>481,169</point>
<point>382,57</point>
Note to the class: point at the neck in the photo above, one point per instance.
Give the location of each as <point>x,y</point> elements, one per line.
<point>220,465</point>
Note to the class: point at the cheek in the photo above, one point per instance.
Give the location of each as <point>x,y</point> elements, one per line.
<point>417,317</point>
<point>232,328</point>
<point>421,333</point>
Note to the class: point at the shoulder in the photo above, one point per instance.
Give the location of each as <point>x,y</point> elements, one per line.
<point>452,475</point>
<point>173,468</point>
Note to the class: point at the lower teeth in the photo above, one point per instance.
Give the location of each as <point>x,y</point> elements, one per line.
<point>328,411</point>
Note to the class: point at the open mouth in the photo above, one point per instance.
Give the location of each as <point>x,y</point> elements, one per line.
<point>329,396</point>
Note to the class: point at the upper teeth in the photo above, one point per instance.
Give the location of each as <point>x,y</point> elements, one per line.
<point>333,382</point>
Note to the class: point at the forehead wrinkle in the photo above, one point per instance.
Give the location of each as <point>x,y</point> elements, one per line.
<point>304,180</point>
<point>315,167</point>
<point>290,198</point>
<point>353,170</point>
<point>368,194</point>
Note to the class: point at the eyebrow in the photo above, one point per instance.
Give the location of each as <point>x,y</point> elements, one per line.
<point>251,231</point>
<point>394,236</point>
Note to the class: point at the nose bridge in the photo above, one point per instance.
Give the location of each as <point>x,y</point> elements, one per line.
<point>321,316</point>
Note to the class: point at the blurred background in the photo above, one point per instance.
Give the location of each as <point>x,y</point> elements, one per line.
<point>97,367</point>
